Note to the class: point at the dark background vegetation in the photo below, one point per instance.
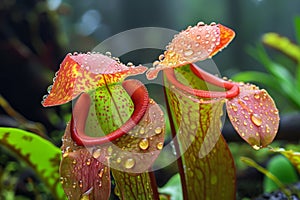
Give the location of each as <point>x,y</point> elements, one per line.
<point>36,35</point>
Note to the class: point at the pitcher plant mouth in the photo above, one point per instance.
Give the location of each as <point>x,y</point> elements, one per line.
<point>140,98</point>
<point>232,89</point>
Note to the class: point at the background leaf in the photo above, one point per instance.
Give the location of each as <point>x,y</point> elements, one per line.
<point>38,153</point>
<point>173,188</point>
<point>283,170</point>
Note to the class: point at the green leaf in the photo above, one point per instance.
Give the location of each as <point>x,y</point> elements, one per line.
<point>257,77</point>
<point>38,153</point>
<point>172,188</point>
<point>280,167</point>
<point>267,173</point>
<point>297,28</point>
<point>293,156</point>
<point>283,44</point>
<point>208,164</point>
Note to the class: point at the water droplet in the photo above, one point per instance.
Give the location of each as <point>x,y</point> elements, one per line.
<point>188,52</point>
<point>256,147</point>
<point>65,154</point>
<point>144,144</point>
<point>108,54</point>
<point>75,53</point>
<point>97,153</point>
<point>257,121</point>
<point>88,162</point>
<point>155,63</point>
<point>74,185</point>
<point>198,37</point>
<point>200,24</point>
<point>142,130</point>
<point>213,23</point>
<point>49,88</point>
<point>74,162</point>
<point>100,173</point>
<point>161,57</point>
<point>119,160</point>
<point>234,107</point>
<point>267,128</point>
<point>158,130</point>
<point>256,96</point>
<point>109,150</point>
<point>80,183</point>
<point>129,64</point>
<point>129,163</point>
<point>159,145</point>
<point>245,123</point>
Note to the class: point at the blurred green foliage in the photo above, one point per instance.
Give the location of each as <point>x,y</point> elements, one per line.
<point>282,75</point>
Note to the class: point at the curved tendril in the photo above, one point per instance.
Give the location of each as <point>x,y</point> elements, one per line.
<point>140,98</point>
<point>232,89</point>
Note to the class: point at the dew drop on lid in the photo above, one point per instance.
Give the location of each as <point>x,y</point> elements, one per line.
<point>129,64</point>
<point>44,97</point>
<point>129,163</point>
<point>108,54</point>
<point>155,63</point>
<point>200,24</point>
<point>188,52</point>
<point>49,88</point>
<point>144,144</point>
<point>256,120</point>
<point>161,57</point>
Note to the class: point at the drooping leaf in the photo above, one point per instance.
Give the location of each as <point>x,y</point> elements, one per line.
<point>294,157</point>
<point>191,45</point>
<point>84,72</point>
<point>208,165</point>
<point>38,153</point>
<point>282,44</point>
<point>254,115</point>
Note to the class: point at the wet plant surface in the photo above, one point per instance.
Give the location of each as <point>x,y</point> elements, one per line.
<point>122,139</point>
